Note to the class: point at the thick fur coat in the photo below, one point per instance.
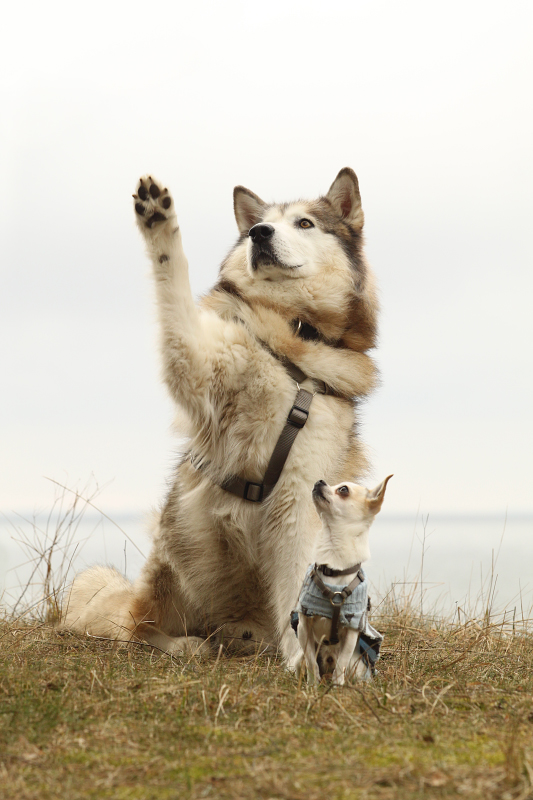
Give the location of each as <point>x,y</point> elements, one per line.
<point>296,286</point>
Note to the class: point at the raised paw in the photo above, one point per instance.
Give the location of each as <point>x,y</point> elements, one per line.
<point>153,205</point>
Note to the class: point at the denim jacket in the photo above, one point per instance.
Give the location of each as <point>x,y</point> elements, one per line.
<point>354,611</point>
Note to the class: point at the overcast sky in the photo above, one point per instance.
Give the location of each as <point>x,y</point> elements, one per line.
<point>429,103</point>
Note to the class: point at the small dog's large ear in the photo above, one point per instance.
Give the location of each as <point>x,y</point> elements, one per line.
<point>375,498</point>
<point>248,207</point>
<point>345,198</point>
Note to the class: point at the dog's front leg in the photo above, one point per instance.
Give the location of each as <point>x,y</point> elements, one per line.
<point>347,646</point>
<point>187,334</point>
<point>307,643</point>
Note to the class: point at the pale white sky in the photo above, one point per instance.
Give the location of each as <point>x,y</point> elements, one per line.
<point>429,103</point>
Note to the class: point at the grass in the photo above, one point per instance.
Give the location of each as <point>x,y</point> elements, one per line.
<point>450,714</point>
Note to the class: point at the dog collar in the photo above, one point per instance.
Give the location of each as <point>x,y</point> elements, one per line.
<point>305,331</point>
<point>334,573</point>
<point>309,333</point>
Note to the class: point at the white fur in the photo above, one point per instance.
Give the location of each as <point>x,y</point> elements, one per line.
<point>303,251</point>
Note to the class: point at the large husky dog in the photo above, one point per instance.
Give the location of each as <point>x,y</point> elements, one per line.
<point>295,299</point>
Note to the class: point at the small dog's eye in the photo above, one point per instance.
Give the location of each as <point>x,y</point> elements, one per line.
<point>306,223</point>
<point>343,490</point>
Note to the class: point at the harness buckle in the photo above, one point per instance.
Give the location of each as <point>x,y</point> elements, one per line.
<point>336,602</point>
<point>253,492</point>
<point>298,416</point>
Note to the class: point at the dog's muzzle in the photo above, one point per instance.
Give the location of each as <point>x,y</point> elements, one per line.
<point>263,254</point>
<point>318,490</point>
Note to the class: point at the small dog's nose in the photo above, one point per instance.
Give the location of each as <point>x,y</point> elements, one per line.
<point>318,484</point>
<point>260,232</point>
<point>330,659</point>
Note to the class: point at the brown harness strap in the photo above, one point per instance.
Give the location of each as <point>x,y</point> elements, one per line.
<point>298,374</point>
<point>296,419</point>
<point>256,492</point>
<point>337,598</point>
<point>334,573</point>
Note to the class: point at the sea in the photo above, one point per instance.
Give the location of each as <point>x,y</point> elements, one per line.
<point>444,565</point>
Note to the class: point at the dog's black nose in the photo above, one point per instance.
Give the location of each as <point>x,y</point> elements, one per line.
<point>318,484</point>
<point>260,232</point>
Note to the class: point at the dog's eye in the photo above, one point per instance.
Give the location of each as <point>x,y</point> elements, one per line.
<point>343,491</point>
<point>306,223</point>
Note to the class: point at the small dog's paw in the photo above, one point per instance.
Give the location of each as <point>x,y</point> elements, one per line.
<point>153,205</point>
<point>338,680</point>
<point>294,664</point>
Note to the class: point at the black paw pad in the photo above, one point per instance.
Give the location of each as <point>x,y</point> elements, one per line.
<point>155,191</point>
<point>139,208</point>
<point>157,217</point>
<point>142,192</point>
<point>165,202</point>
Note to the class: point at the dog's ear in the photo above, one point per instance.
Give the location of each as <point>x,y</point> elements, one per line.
<point>248,207</point>
<point>345,198</point>
<point>374,499</point>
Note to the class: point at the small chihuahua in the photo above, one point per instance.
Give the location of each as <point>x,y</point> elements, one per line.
<point>332,608</point>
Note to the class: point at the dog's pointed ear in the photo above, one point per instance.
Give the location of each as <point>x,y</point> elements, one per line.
<point>345,198</point>
<point>248,207</point>
<point>374,499</point>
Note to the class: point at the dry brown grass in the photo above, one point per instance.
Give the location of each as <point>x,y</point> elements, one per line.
<point>450,714</point>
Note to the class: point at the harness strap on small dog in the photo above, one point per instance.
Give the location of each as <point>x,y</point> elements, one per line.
<point>337,598</point>
<point>334,573</point>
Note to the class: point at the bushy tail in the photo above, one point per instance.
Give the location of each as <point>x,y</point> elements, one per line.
<point>100,603</point>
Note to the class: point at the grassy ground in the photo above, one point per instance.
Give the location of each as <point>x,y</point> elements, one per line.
<point>449,715</point>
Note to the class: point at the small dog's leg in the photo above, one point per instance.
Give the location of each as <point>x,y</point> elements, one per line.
<point>359,669</point>
<point>297,664</point>
<point>348,646</point>
<point>307,643</point>
<point>290,649</point>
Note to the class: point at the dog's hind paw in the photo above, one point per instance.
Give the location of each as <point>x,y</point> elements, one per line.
<point>153,205</point>
<point>189,646</point>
